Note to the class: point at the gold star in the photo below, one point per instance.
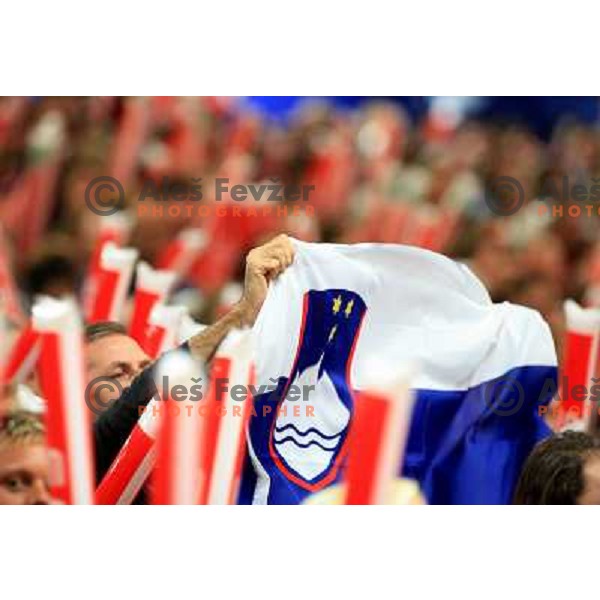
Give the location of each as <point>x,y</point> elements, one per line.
<point>349,308</point>
<point>337,304</point>
<point>332,333</point>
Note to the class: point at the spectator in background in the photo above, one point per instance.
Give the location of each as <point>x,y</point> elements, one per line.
<point>112,354</point>
<point>563,469</point>
<point>24,464</point>
<point>51,275</point>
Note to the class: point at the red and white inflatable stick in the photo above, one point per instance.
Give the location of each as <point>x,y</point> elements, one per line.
<point>592,294</point>
<point>111,229</point>
<point>164,326</point>
<point>377,439</point>
<point>582,346</point>
<point>188,328</point>
<point>23,356</point>
<point>112,283</point>
<point>9,298</point>
<point>133,465</point>
<point>152,287</point>
<point>68,427</point>
<point>132,131</point>
<point>213,403</point>
<point>230,446</point>
<point>180,254</point>
<point>178,476</point>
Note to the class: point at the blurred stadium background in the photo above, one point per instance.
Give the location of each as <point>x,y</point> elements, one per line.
<point>411,170</point>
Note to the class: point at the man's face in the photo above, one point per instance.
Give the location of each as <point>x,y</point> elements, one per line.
<point>24,474</point>
<point>591,477</point>
<point>117,357</point>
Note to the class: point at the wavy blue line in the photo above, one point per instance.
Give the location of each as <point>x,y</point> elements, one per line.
<point>311,443</point>
<point>305,433</point>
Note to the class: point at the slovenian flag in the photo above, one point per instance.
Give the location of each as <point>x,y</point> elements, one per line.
<point>483,371</point>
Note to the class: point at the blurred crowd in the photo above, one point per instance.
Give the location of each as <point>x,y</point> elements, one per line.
<point>373,174</point>
<point>377,176</point>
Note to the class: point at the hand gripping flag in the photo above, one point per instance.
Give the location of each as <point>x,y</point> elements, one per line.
<point>483,371</point>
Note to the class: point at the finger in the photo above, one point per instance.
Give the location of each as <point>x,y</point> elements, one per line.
<point>287,251</point>
<point>280,249</point>
<point>283,252</point>
<point>274,254</point>
<point>271,266</point>
<point>281,241</point>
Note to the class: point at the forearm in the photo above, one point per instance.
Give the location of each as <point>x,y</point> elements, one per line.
<point>204,344</point>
